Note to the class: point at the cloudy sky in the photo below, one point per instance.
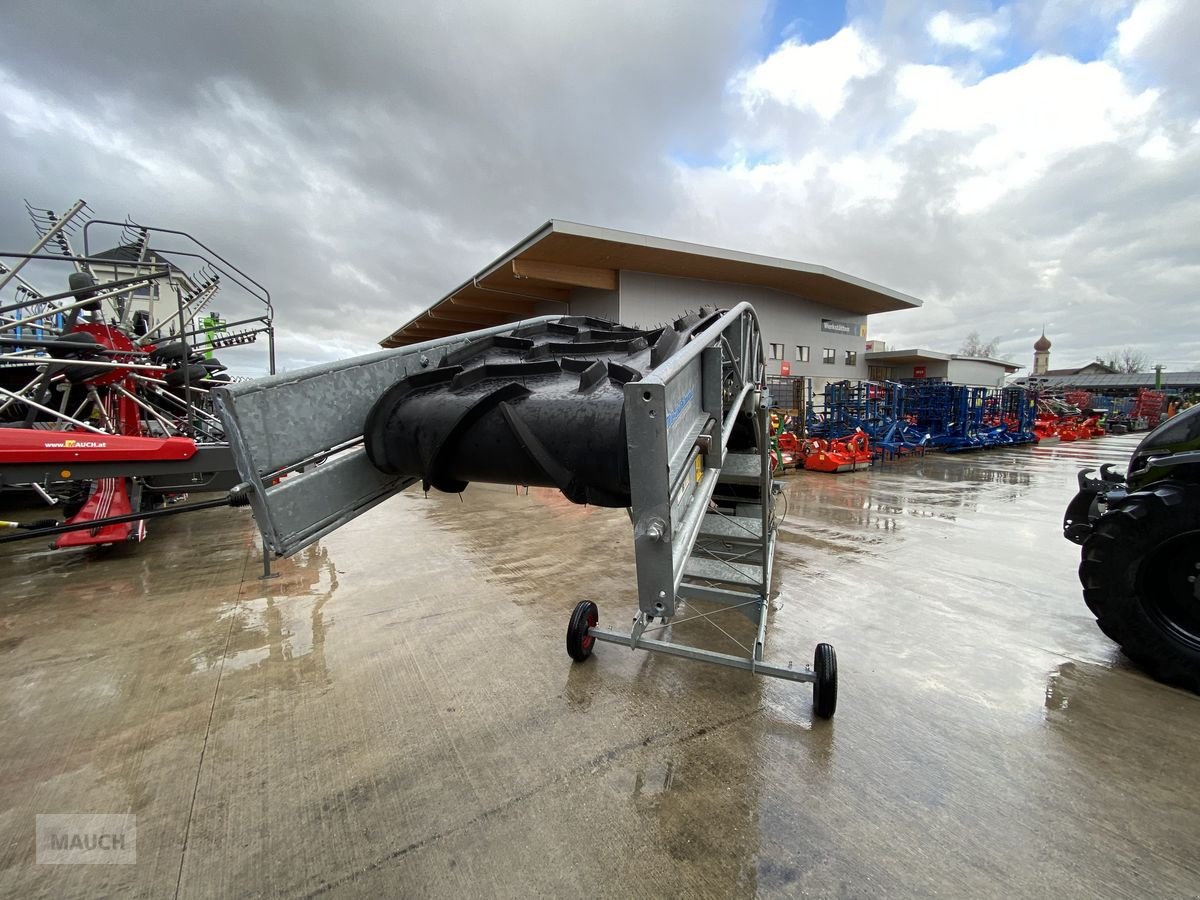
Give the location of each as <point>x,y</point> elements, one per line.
<point>1013,164</point>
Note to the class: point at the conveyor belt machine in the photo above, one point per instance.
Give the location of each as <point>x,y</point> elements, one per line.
<point>667,422</point>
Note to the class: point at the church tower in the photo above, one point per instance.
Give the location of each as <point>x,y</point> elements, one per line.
<point>1041,355</point>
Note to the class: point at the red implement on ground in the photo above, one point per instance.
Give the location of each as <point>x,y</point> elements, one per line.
<point>840,455</point>
<point>106,497</point>
<point>109,498</point>
<point>790,451</point>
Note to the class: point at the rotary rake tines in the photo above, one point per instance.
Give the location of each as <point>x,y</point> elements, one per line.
<point>206,286</point>
<point>135,238</point>
<point>235,339</point>
<point>58,229</point>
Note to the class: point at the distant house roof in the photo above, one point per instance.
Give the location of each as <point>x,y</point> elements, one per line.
<point>917,356</point>
<point>132,254</point>
<point>1092,368</point>
<point>1179,381</point>
<point>563,255</point>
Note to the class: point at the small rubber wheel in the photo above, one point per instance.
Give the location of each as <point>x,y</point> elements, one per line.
<point>579,642</point>
<point>825,687</point>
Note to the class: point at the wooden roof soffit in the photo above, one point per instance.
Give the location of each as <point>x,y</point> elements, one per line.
<point>564,274</point>
<point>507,291</point>
<point>432,329</point>
<point>468,316</point>
<point>495,303</point>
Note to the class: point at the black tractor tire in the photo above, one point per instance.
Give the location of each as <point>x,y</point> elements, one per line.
<point>1140,575</point>
<point>80,374</point>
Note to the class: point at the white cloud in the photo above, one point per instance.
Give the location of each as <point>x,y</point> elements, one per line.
<point>371,159</point>
<point>814,77</point>
<point>847,182</point>
<point>1020,121</point>
<point>1057,191</point>
<point>1158,147</point>
<point>1145,20</point>
<point>951,30</point>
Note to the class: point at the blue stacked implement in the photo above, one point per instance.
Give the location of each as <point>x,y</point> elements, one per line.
<point>901,417</point>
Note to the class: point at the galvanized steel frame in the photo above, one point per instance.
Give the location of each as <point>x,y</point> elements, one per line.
<point>679,419</point>
<point>308,425</point>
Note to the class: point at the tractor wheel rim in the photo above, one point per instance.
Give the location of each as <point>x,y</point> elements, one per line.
<point>1169,585</point>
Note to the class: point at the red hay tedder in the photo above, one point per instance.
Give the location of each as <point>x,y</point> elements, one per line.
<point>106,405</point>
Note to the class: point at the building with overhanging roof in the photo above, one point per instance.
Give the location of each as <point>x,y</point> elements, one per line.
<point>158,299</point>
<point>814,319</point>
<point>901,365</point>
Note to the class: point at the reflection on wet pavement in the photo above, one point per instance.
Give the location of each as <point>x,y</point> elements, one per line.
<point>395,713</point>
<point>285,626</point>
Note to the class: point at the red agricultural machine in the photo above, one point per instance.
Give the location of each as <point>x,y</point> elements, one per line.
<point>106,410</point>
<point>1068,418</point>
<point>848,454</point>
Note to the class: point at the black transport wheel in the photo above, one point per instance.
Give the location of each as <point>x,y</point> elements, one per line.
<point>176,351</point>
<point>579,641</point>
<point>1141,579</point>
<point>193,373</point>
<point>825,687</point>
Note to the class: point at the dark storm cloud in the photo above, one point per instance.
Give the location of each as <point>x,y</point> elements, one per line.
<point>408,143</point>
<point>362,159</point>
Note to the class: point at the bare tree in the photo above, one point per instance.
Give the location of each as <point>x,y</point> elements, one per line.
<point>1126,360</point>
<point>973,345</point>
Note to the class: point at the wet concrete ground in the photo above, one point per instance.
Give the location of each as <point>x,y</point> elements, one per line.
<point>396,715</point>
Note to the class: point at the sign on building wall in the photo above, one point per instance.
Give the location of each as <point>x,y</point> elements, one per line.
<point>785,368</point>
<point>918,371</point>
<point>849,328</point>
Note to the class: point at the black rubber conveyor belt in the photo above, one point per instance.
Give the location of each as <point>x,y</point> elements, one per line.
<point>542,405</point>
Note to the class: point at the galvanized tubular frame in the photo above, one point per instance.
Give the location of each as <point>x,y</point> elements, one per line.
<point>679,420</point>
<point>701,512</point>
<point>223,266</point>
<point>284,424</point>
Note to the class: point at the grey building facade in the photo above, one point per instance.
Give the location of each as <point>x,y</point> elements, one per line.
<point>901,365</point>
<point>814,319</point>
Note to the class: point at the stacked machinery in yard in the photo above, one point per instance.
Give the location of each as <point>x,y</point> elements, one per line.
<point>1140,534</point>
<point>964,417</point>
<point>668,423</point>
<point>907,417</point>
<point>1078,414</point>
<point>105,412</point>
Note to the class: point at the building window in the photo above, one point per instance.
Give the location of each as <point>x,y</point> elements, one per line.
<point>777,351</point>
<point>801,353</point>
<point>852,357</point>
<point>828,356</point>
